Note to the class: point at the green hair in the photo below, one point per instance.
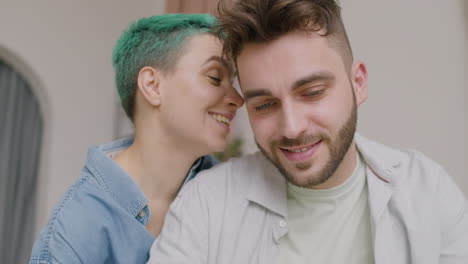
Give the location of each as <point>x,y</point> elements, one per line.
<point>154,41</point>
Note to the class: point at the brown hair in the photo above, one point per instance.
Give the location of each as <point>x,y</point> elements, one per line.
<point>257,21</point>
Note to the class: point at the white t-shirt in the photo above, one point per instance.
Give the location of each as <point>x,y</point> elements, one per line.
<point>330,226</point>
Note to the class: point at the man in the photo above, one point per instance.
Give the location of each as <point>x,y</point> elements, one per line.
<point>317,192</point>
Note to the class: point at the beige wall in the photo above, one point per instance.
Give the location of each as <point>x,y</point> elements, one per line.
<point>191,6</point>
<point>417,57</point>
<point>64,48</point>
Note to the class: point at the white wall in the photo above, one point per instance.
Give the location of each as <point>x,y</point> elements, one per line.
<point>417,57</point>
<point>64,48</point>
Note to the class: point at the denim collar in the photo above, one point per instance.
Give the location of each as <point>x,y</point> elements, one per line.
<point>118,183</point>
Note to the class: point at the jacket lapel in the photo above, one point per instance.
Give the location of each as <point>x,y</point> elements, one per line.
<point>383,164</point>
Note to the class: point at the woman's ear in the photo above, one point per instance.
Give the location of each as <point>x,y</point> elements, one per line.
<point>149,80</point>
<point>359,81</point>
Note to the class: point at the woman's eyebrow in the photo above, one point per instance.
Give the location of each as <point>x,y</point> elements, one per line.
<point>222,61</point>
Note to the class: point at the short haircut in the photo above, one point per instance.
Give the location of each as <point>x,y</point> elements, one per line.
<point>260,21</point>
<point>155,41</point>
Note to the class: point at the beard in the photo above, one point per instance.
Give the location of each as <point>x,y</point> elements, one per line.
<point>338,146</point>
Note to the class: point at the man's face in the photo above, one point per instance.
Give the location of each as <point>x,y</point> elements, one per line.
<point>301,104</point>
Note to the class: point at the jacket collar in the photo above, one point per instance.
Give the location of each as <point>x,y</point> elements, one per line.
<point>382,160</point>
<point>383,174</point>
<point>268,186</point>
<point>118,183</point>
<point>113,178</point>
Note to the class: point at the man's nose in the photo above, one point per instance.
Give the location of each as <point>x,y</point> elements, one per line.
<point>294,122</point>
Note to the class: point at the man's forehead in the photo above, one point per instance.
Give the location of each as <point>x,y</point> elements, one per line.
<point>293,38</point>
<point>267,61</point>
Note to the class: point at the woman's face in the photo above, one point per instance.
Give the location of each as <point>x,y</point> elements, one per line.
<point>199,101</point>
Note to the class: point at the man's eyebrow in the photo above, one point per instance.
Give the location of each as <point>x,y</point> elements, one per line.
<point>313,77</point>
<point>223,61</point>
<point>254,93</point>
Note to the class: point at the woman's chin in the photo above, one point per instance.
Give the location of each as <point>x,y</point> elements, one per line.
<point>218,146</point>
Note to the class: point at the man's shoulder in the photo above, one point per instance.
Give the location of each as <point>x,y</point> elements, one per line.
<point>407,169</point>
<point>235,168</point>
<point>235,173</point>
<point>418,174</point>
<point>383,156</point>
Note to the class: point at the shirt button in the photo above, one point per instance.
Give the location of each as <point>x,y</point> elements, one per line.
<point>283,224</point>
<point>142,213</point>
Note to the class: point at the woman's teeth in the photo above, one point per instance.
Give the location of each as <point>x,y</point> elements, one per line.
<point>221,119</point>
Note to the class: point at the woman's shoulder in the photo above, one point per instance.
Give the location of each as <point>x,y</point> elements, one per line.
<point>88,225</point>
<point>74,217</point>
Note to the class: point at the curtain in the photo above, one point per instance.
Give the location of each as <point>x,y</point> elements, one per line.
<point>20,142</point>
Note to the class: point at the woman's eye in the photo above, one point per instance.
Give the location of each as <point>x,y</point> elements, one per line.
<point>216,81</point>
<point>264,107</point>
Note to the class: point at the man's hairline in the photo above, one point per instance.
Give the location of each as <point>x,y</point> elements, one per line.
<point>328,37</point>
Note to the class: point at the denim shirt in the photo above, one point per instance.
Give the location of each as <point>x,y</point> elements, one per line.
<point>102,217</point>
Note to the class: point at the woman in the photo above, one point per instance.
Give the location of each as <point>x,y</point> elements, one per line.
<point>176,87</point>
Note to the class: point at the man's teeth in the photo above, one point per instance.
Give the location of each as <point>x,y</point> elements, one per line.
<point>221,119</point>
<point>298,150</point>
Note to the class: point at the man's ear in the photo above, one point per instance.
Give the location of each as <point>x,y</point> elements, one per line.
<point>359,81</point>
<point>149,80</point>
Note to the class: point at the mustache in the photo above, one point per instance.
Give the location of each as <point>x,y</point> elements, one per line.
<point>295,142</point>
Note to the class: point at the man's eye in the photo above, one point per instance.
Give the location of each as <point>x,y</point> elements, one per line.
<point>264,107</point>
<point>313,93</point>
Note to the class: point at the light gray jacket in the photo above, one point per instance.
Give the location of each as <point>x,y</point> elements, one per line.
<point>237,212</point>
